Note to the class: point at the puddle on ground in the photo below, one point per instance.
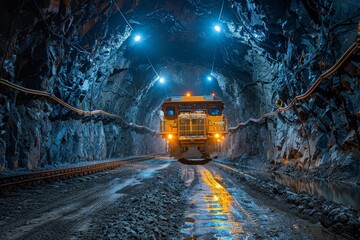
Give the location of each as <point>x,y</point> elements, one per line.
<point>147,173</point>
<point>119,188</point>
<point>336,192</point>
<point>188,176</point>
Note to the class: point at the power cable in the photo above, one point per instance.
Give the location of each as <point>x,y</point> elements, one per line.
<point>354,48</point>
<point>78,48</point>
<point>222,7</point>
<point>253,37</point>
<point>344,21</point>
<point>216,43</point>
<point>128,23</point>
<point>133,126</point>
<point>165,91</point>
<point>213,62</point>
<point>217,39</point>
<point>147,57</point>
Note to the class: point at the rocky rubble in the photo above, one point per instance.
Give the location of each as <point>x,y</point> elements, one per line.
<point>150,213</point>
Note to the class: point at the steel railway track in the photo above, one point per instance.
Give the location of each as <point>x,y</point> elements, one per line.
<point>64,173</point>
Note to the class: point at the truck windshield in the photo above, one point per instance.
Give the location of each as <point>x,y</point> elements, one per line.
<point>170,111</point>
<point>214,110</point>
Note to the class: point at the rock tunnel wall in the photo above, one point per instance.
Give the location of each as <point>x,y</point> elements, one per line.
<point>320,135</point>
<point>52,47</point>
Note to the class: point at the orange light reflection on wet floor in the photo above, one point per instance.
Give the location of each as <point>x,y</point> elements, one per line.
<point>224,200</point>
<point>222,194</point>
<point>235,201</point>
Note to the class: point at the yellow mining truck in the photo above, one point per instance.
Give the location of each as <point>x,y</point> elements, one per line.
<point>193,124</point>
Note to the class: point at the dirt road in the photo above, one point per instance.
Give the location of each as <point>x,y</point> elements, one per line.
<point>155,199</point>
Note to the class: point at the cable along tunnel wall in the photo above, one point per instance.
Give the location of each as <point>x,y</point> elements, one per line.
<point>353,49</point>
<point>321,135</point>
<point>40,139</point>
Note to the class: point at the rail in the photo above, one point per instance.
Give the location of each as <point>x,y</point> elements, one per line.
<point>355,47</point>
<point>63,173</point>
<point>234,170</point>
<point>133,126</point>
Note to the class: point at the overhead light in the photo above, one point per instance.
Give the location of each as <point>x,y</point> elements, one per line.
<point>137,38</point>
<point>170,136</point>
<point>209,78</point>
<point>188,94</point>
<point>217,135</point>
<point>161,80</point>
<point>217,28</point>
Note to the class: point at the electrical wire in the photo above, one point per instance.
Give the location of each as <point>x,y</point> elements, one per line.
<point>216,43</point>
<point>78,48</point>
<point>133,126</point>
<point>344,21</point>
<point>128,23</point>
<point>222,7</point>
<point>152,66</point>
<point>217,39</point>
<point>213,62</point>
<point>165,92</point>
<point>252,36</point>
<point>354,48</point>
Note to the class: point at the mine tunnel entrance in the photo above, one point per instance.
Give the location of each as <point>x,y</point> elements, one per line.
<point>179,119</point>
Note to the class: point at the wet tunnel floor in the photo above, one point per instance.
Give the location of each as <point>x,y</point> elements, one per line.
<point>221,209</point>
<point>157,199</point>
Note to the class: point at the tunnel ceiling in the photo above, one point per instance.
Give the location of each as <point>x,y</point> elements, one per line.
<point>177,36</point>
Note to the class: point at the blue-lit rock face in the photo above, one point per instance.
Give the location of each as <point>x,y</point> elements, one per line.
<point>302,40</point>
<point>80,59</point>
<point>86,55</point>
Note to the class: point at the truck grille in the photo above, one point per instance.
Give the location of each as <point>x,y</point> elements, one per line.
<point>192,128</point>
